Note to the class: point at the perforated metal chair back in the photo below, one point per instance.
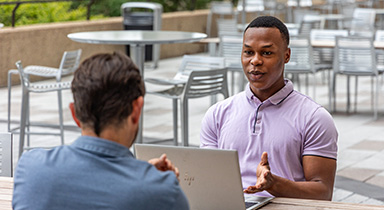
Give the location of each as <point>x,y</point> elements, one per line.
<point>379,37</point>
<point>308,23</point>
<point>227,27</point>
<point>251,5</point>
<point>69,63</point>
<point>6,141</point>
<point>191,63</point>
<point>363,22</point>
<point>324,56</point>
<point>355,55</point>
<point>221,8</point>
<point>303,3</point>
<point>206,83</point>
<point>301,60</point>
<point>230,48</point>
<point>201,84</point>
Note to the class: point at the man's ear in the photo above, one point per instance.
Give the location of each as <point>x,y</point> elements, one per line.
<point>287,55</point>
<point>72,108</point>
<point>137,106</point>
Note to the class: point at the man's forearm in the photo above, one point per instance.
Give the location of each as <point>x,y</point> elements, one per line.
<point>315,189</point>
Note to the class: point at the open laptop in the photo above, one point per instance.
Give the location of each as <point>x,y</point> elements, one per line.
<point>210,178</point>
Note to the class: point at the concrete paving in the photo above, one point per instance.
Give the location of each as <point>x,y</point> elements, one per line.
<point>360,171</point>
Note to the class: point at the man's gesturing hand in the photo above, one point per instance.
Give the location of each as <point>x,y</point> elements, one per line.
<point>264,176</point>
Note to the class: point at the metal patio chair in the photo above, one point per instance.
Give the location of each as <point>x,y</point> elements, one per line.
<point>68,64</point>
<point>301,61</point>
<point>230,48</point>
<point>355,56</point>
<point>221,8</point>
<point>27,88</point>
<point>176,86</point>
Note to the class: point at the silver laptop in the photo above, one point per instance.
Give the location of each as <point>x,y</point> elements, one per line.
<point>210,178</point>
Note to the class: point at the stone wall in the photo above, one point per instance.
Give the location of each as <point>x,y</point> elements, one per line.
<point>44,44</point>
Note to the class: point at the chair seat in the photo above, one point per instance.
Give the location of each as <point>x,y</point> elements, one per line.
<point>40,88</point>
<point>173,93</point>
<point>165,81</point>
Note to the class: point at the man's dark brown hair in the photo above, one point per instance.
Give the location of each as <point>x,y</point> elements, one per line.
<point>104,87</point>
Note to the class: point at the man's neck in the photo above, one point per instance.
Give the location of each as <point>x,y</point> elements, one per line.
<point>112,134</point>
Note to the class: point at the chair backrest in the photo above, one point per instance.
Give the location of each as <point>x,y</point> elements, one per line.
<point>354,55</point>
<point>327,35</point>
<point>251,5</point>
<point>301,55</point>
<point>24,78</point>
<point>363,20</point>
<point>222,7</point>
<point>206,83</point>
<point>308,23</point>
<point>191,63</point>
<point>6,168</point>
<point>303,3</point>
<point>230,48</point>
<point>69,63</point>
<point>325,55</point>
<point>270,4</point>
<point>379,36</point>
<point>227,26</point>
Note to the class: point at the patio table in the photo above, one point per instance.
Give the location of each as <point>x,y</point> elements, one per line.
<point>137,40</point>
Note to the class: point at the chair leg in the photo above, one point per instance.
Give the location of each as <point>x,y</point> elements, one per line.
<point>297,78</point>
<point>233,83</point>
<point>184,121</point>
<point>356,89</point>
<point>376,106</point>
<point>348,94</point>
<point>59,96</point>
<point>28,122</point>
<point>372,94</point>
<point>175,122</point>
<point>9,100</point>
<point>334,92</point>
<point>306,84</point>
<point>314,86</point>
<point>23,120</point>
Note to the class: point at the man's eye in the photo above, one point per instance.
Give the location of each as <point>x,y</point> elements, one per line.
<point>248,52</point>
<point>267,53</point>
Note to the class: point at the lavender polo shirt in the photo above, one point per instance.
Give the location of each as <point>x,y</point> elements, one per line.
<point>288,125</point>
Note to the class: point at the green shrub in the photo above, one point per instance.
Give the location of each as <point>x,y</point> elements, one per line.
<point>42,13</point>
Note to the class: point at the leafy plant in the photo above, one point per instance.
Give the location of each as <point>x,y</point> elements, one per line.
<point>42,13</point>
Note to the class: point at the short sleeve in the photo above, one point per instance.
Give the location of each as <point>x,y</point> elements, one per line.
<point>321,135</point>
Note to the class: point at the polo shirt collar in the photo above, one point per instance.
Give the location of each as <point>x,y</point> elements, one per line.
<point>101,146</point>
<point>276,98</point>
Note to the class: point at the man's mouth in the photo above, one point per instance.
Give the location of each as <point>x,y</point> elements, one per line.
<point>255,75</point>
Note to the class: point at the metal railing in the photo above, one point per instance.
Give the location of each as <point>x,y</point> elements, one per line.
<point>18,3</point>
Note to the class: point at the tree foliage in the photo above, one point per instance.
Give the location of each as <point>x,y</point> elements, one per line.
<point>41,13</point>
<point>68,11</point>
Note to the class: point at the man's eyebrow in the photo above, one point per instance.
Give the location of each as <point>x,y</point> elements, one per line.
<point>265,46</point>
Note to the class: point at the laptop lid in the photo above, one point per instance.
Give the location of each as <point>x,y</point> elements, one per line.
<point>210,178</point>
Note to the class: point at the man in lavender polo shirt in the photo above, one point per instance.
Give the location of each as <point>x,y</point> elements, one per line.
<point>287,143</point>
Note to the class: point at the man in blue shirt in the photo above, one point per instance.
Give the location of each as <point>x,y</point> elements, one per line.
<point>98,171</point>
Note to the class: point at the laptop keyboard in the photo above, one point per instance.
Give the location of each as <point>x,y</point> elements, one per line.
<point>249,204</point>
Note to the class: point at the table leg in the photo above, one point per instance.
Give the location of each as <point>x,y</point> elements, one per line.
<point>137,54</point>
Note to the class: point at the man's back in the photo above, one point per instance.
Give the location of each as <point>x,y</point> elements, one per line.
<point>93,173</point>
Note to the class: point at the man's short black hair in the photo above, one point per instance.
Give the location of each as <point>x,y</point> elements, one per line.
<point>270,22</point>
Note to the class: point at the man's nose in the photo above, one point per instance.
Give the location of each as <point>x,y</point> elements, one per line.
<point>256,60</point>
